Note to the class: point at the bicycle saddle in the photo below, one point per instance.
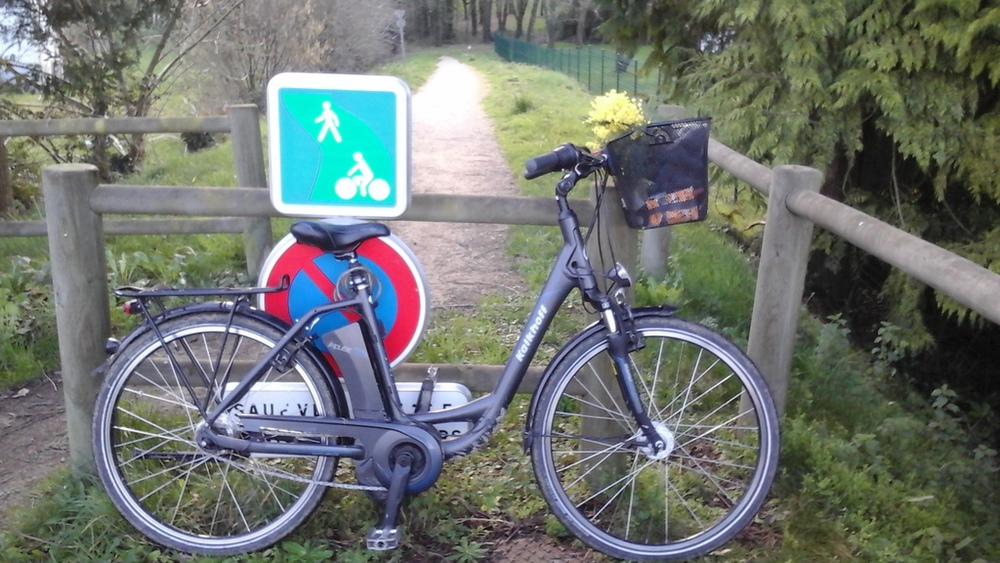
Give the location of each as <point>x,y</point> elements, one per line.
<point>337,239</point>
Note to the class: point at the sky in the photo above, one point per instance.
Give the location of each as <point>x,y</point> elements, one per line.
<point>19,51</point>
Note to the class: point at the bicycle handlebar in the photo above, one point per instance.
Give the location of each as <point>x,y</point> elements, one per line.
<point>564,157</point>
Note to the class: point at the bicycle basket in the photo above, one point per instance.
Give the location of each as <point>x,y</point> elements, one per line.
<point>662,172</point>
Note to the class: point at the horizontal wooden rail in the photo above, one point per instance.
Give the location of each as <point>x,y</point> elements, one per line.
<point>753,173</point>
<point>185,226</point>
<point>478,378</point>
<point>254,202</point>
<point>113,126</point>
<point>963,280</point>
<point>242,121</point>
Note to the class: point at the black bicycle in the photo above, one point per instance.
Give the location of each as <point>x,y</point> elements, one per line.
<point>651,437</point>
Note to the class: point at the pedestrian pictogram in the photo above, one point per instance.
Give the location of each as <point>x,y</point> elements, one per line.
<point>339,144</point>
<point>330,123</point>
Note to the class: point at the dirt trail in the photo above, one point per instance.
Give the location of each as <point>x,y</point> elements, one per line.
<point>32,439</point>
<point>454,151</point>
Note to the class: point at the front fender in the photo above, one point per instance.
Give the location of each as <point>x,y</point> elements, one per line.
<point>568,348</point>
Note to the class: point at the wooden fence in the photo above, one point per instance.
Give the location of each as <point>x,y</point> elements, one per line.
<point>242,122</point>
<point>75,205</point>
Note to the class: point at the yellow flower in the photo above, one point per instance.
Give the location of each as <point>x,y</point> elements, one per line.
<point>612,114</point>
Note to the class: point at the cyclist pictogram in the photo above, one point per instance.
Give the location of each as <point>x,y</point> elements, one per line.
<point>361,178</point>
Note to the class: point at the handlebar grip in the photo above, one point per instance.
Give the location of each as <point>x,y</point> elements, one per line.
<point>565,156</point>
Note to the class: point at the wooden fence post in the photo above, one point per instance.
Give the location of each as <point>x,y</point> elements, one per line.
<point>80,285</point>
<point>780,280</point>
<point>248,156</point>
<point>6,181</point>
<point>617,242</point>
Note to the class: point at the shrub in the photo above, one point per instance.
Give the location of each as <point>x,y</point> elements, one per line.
<point>27,325</point>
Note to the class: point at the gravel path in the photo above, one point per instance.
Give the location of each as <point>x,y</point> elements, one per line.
<point>455,152</point>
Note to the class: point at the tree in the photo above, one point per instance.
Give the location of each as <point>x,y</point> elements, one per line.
<point>583,9</point>
<point>471,12</point>
<point>6,183</point>
<point>531,18</point>
<point>485,15</point>
<point>570,19</point>
<point>432,19</point>
<point>503,10</point>
<point>898,101</point>
<point>266,37</point>
<point>520,7</point>
<point>109,57</point>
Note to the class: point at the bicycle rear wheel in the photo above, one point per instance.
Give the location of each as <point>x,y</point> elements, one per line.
<point>149,410</point>
<point>604,482</point>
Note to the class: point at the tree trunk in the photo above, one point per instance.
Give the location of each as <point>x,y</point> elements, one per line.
<point>531,18</point>
<point>448,21</point>
<point>551,23</point>
<point>434,13</point>
<point>486,19</point>
<point>520,7</point>
<point>581,23</point>
<point>472,13</point>
<point>503,8</point>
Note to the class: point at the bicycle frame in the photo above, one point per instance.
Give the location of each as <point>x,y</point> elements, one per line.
<point>571,269</point>
<point>193,445</point>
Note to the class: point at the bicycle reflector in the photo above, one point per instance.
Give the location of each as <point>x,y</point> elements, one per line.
<point>131,307</point>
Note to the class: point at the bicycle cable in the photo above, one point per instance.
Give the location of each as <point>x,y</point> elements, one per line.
<point>600,187</point>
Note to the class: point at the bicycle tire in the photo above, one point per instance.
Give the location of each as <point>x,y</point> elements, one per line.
<point>144,425</point>
<point>601,480</point>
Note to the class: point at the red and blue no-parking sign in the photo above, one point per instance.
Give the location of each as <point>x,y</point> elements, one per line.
<point>401,287</point>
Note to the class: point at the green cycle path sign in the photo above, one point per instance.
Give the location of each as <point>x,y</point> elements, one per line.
<point>339,145</point>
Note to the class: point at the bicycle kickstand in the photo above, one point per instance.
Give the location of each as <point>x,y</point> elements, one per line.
<point>385,536</point>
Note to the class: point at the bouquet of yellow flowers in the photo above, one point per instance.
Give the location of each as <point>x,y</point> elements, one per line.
<point>611,115</point>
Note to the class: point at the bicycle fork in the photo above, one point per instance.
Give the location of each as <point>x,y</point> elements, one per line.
<point>622,339</point>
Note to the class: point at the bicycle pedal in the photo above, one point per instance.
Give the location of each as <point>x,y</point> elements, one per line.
<point>382,539</point>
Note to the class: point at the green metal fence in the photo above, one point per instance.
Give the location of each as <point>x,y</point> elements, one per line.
<point>597,69</point>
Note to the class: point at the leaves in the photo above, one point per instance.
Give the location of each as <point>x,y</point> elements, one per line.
<point>898,101</point>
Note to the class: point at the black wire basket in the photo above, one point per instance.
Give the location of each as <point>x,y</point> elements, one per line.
<point>661,172</point>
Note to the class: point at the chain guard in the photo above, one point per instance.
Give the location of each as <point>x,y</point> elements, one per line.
<point>378,440</point>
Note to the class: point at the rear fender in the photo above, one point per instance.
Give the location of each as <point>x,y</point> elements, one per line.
<point>226,307</point>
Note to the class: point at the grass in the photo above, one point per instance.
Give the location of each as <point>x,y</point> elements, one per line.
<point>869,471</point>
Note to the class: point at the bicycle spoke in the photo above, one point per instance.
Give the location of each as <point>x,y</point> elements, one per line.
<point>607,393</point>
<point>629,499</point>
<point>158,476</point>
<point>194,465</point>
<point>595,463</point>
<point>232,496</point>
<point>171,437</point>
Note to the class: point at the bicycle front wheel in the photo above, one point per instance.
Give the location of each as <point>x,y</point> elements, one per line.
<point>604,481</point>
<point>148,413</point>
